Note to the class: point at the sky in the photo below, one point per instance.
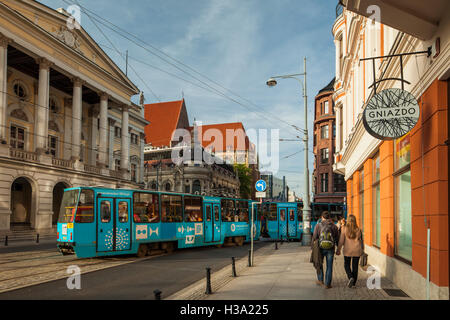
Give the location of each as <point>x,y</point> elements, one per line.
<point>237,44</point>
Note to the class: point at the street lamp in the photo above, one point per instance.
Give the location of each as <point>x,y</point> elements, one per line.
<point>272,82</point>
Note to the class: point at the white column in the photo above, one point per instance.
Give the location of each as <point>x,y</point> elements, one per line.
<point>3,86</point>
<point>43,106</point>
<point>93,139</point>
<point>338,58</point>
<point>337,111</point>
<point>103,131</point>
<point>125,147</point>
<point>111,124</point>
<point>142,158</point>
<point>77,114</point>
<point>67,129</point>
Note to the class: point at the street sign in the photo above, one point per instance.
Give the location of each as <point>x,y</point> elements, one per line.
<point>261,186</point>
<point>260,195</point>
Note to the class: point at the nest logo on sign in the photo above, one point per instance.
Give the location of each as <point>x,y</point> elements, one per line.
<point>391,114</point>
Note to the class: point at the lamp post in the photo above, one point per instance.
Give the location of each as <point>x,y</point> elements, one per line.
<point>307,205</point>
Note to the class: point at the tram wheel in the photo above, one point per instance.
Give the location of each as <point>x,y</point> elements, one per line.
<point>142,251</point>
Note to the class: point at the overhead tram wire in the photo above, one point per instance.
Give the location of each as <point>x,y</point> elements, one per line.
<point>110,42</point>
<point>100,19</point>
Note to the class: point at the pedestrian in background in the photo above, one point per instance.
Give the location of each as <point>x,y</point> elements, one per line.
<point>340,224</point>
<point>327,235</point>
<point>351,240</point>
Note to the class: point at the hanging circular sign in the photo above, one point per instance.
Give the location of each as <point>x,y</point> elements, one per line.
<point>391,114</point>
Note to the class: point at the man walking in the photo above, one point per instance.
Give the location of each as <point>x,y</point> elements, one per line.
<point>327,235</point>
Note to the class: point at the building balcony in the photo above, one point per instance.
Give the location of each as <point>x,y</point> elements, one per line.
<point>50,162</point>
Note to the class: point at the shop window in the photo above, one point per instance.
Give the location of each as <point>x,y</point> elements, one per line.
<point>376,218</point>
<point>402,193</point>
<point>361,200</point>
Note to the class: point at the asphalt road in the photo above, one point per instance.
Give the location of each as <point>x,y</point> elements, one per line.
<point>138,280</point>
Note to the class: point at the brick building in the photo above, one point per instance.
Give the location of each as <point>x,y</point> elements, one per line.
<point>328,186</point>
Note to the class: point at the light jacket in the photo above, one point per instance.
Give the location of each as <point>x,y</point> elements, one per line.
<point>352,247</point>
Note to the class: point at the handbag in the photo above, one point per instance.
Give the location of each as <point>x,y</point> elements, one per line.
<point>364,256</point>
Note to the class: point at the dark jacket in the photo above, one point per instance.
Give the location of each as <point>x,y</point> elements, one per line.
<point>316,255</point>
<point>334,231</point>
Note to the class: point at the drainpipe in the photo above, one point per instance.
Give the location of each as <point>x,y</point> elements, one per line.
<point>428,263</point>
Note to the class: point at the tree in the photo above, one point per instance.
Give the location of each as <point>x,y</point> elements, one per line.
<point>245,179</point>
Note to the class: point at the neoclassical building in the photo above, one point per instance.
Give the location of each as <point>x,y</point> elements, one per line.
<point>66,116</point>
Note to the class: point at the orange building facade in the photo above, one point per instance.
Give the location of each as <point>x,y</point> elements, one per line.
<point>398,190</point>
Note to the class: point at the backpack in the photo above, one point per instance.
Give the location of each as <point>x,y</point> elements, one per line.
<point>326,240</point>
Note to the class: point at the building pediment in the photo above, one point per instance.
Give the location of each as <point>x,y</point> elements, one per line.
<point>83,50</point>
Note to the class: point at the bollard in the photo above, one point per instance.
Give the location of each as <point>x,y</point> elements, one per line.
<point>37,238</point>
<point>157,294</point>
<point>6,241</point>
<point>233,265</point>
<point>276,245</point>
<point>249,258</point>
<point>208,281</point>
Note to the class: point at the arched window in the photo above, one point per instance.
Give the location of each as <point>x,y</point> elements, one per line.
<point>168,187</point>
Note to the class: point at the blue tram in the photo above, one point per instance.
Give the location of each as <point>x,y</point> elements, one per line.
<point>97,222</point>
<point>284,221</point>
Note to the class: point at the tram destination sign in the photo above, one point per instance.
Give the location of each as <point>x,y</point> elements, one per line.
<point>391,114</point>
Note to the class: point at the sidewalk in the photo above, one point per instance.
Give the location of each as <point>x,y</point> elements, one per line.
<point>287,274</point>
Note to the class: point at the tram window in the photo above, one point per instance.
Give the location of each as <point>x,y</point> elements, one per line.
<point>105,211</point>
<point>282,215</point>
<point>68,204</point>
<point>123,211</point>
<point>227,210</point>
<point>85,210</point>
<point>193,209</point>
<point>273,212</point>
<point>242,211</point>
<point>146,207</point>
<point>291,215</point>
<point>171,208</point>
<point>216,213</point>
<point>208,213</point>
<point>300,213</point>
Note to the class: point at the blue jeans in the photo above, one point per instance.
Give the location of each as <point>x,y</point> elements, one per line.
<point>329,256</point>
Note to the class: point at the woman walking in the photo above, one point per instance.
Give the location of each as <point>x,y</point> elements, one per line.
<point>351,240</point>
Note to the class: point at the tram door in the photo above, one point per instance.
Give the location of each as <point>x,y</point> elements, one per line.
<point>282,223</point>
<point>216,223</point>
<point>292,222</point>
<point>209,223</point>
<point>114,225</point>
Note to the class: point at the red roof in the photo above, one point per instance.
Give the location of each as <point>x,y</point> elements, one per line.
<point>241,141</point>
<point>164,118</point>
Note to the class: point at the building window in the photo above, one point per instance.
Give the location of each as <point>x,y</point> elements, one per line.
<point>117,132</point>
<point>326,107</point>
<point>324,182</point>
<point>53,105</point>
<point>324,132</point>
<point>17,137</point>
<point>402,185</point>
<point>117,164</point>
<point>324,155</point>
<point>19,90</point>
<point>168,187</point>
<point>339,184</point>
<point>133,172</point>
<point>134,139</point>
<point>376,219</point>
<point>334,130</point>
<point>53,145</point>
